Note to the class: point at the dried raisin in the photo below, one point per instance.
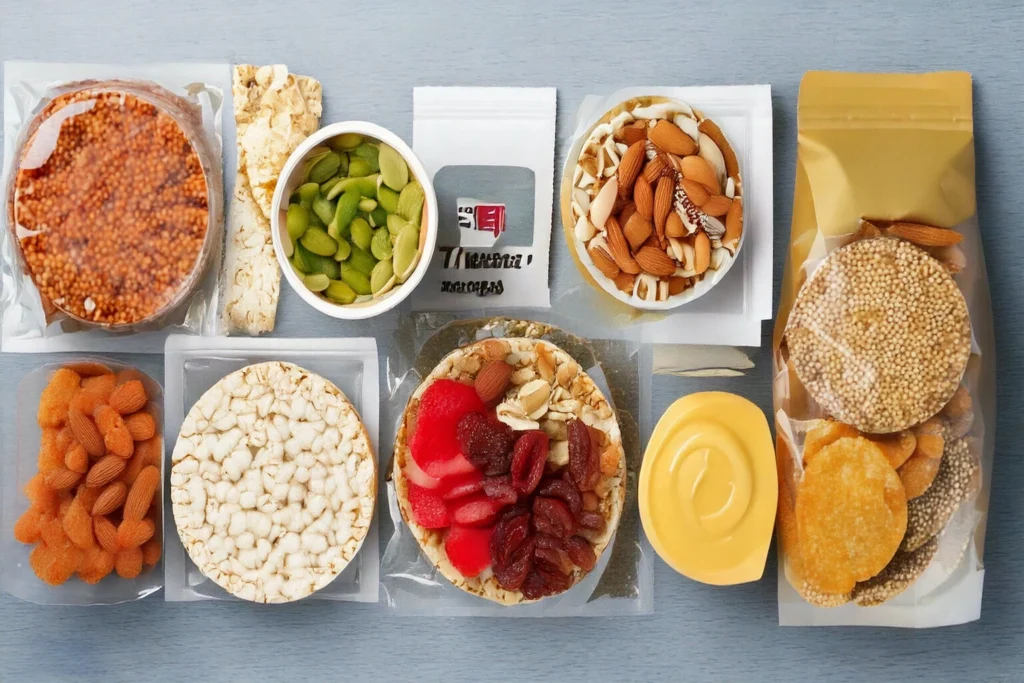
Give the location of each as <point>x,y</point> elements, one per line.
<point>553,517</point>
<point>584,458</point>
<point>581,553</point>
<point>565,490</point>
<point>528,458</point>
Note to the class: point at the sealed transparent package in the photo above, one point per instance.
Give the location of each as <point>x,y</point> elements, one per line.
<point>195,364</point>
<point>884,358</point>
<point>463,536</point>
<point>666,206</point>
<point>32,471</point>
<point>113,201</point>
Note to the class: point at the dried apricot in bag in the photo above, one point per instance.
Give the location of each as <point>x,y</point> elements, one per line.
<point>851,515</point>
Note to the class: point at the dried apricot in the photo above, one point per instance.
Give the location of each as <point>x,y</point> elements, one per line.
<point>128,563</point>
<point>851,513</point>
<point>141,426</point>
<point>53,403</point>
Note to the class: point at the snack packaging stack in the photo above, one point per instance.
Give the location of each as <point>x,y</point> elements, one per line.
<point>883,358</point>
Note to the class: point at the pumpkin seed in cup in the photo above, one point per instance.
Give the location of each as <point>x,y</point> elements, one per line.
<point>354,224</point>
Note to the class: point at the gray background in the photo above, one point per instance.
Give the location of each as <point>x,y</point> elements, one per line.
<point>369,56</point>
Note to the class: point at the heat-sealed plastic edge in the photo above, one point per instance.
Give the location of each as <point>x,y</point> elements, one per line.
<point>16,576</point>
<point>193,364</point>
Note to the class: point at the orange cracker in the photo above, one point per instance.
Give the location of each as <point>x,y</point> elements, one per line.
<point>851,515</point>
<point>828,431</point>
<point>897,447</point>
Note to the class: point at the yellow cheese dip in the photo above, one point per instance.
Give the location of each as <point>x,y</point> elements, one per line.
<point>708,488</point>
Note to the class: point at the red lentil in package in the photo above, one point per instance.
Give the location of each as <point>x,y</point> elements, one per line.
<point>113,203</point>
<point>884,358</point>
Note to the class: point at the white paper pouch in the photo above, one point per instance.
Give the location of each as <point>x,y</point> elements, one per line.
<point>490,155</point>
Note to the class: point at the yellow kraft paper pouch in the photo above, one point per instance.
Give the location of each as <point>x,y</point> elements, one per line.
<point>883,358</point>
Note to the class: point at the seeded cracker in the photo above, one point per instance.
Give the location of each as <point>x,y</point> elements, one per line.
<point>274,112</point>
<point>958,479</point>
<point>880,335</point>
<point>904,570</point>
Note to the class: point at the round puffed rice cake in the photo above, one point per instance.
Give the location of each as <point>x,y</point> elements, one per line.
<point>273,482</point>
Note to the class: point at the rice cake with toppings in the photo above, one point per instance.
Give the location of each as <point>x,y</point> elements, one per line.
<point>957,480</point>
<point>880,335</point>
<point>573,394</point>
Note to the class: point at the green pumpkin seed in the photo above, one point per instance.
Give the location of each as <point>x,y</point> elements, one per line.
<point>382,273</point>
<point>316,283</point>
<point>314,263</point>
<point>297,221</point>
<point>297,263</point>
<point>319,242</point>
<point>311,162</point>
<point>396,223</point>
<point>387,198</point>
<point>359,167</point>
<point>326,186</point>
<point>381,246</point>
<point>325,168</point>
<point>393,168</point>
<point>361,260</point>
<point>406,254</point>
<point>410,202</point>
<point>370,152</point>
<point>379,217</point>
<point>314,220</point>
<point>348,206</point>
<point>361,233</point>
<point>344,250</point>
<point>340,292</point>
<point>323,208</point>
<point>358,281</point>
<point>366,204</point>
<point>366,186</point>
<point>346,141</point>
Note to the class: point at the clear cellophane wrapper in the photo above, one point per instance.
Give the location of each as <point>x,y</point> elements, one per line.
<point>886,148</point>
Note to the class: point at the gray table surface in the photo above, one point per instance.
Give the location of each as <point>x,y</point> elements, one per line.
<point>369,56</point>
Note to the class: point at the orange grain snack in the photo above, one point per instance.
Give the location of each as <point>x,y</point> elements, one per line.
<point>78,525</point>
<point>128,375</point>
<point>86,402</point>
<point>823,435</point>
<point>151,551</point>
<point>44,499</point>
<point>141,426</point>
<point>96,563</point>
<point>129,563</point>
<point>106,533</point>
<point>50,566</point>
<point>51,453</point>
<point>896,447</point>
<point>100,386</point>
<point>53,404</point>
<point>28,528</point>
<point>77,459</point>
<point>89,369</point>
<point>154,451</point>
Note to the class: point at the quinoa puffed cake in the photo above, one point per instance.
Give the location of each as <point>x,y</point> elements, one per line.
<point>957,480</point>
<point>904,569</point>
<point>880,335</point>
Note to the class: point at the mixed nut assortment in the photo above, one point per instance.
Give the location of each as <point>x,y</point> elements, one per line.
<point>656,200</point>
<point>354,223</point>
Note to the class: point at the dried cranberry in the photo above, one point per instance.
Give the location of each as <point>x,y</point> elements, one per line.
<point>584,459</point>
<point>553,552</point>
<point>499,489</point>
<point>592,520</point>
<point>485,442</point>
<point>511,575</point>
<point>565,491</point>
<point>528,458</point>
<point>553,517</point>
<point>533,587</point>
<point>515,511</point>
<point>581,553</point>
<point>509,534</point>
<point>554,578</point>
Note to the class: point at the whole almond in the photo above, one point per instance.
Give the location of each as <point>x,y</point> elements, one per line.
<point>61,478</point>
<point>106,534</point>
<point>128,397</point>
<point>86,432</point>
<point>701,252</point>
<point>663,203</point>
<point>104,471</point>
<point>628,210</point>
<point>733,225</point>
<point>624,282</point>
<point>717,205</point>
<point>674,225</point>
<point>696,169</point>
<point>140,497</point>
<point>669,137</point>
<point>629,167</point>
<point>676,285</point>
<point>603,260</point>
<point>637,230</point>
<point>654,169</point>
<point>925,235</point>
<point>630,135</point>
<point>620,248</point>
<point>492,381</point>
<point>110,499</point>
<point>643,196</point>
<point>655,261</point>
<point>695,192</point>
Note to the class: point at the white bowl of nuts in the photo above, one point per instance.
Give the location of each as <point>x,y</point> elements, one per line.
<point>354,220</point>
<point>652,203</point>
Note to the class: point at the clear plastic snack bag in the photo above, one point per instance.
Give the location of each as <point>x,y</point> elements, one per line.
<point>884,358</point>
<point>551,548</point>
<point>113,203</point>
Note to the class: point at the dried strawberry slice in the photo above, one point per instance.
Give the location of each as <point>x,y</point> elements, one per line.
<point>452,467</point>
<point>475,510</point>
<point>485,442</point>
<point>584,458</point>
<point>510,533</point>
<point>499,489</point>
<point>441,407</point>
<point>462,485</point>
<point>528,458</point>
<point>565,490</point>
<point>468,549</point>
<point>581,553</point>
<point>417,476</point>
<point>553,517</point>
<point>428,510</point>
<point>510,575</point>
